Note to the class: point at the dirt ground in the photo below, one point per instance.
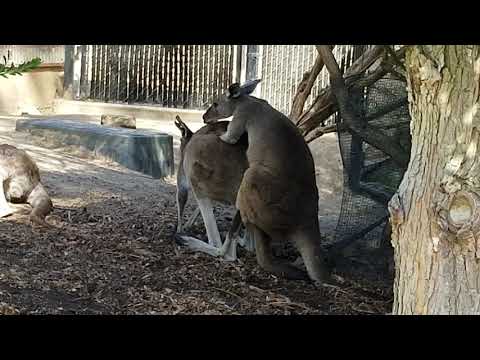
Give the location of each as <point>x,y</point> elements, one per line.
<point>112,252</point>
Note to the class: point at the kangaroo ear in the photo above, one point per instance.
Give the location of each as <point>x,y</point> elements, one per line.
<point>249,86</point>
<point>234,91</point>
<point>179,123</point>
<point>186,132</point>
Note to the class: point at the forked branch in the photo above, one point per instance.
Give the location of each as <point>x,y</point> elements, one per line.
<point>305,88</point>
<point>369,134</point>
<point>376,59</point>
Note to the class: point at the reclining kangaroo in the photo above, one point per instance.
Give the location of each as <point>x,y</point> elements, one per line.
<point>20,178</point>
<point>213,171</point>
<point>278,196</point>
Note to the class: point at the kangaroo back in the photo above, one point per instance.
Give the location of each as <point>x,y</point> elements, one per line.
<point>215,169</point>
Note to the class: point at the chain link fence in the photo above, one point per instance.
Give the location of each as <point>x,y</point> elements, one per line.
<point>282,69</point>
<point>172,76</point>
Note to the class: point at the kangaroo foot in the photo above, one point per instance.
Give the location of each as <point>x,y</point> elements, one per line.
<point>333,282</point>
<point>287,271</point>
<point>197,245</point>
<point>34,219</point>
<point>247,242</point>
<point>21,209</point>
<point>298,263</point>
<point>6,211</point>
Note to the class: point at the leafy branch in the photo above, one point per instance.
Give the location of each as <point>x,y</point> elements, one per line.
<point>10,70</point>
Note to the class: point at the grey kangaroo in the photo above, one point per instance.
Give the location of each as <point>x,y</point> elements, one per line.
<point>213,171</point>
<point>278,196</point>
<point>20,178</point>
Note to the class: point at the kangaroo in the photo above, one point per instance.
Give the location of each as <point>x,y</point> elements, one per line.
<point>213,171</point>
<point>20,178</point>
<point>278,196</point>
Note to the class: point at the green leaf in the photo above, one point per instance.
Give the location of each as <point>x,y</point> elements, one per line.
<point>18,70</point>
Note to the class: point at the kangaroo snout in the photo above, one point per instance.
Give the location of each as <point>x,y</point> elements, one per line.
<point>207,119</point>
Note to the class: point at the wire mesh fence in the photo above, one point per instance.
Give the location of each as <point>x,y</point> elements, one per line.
<point>174,76</point>
<point>283,67</point>
<point>191,76</point>
<point>371,177</point>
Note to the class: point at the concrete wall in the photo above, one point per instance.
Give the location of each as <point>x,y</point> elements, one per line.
<point>33,92</point>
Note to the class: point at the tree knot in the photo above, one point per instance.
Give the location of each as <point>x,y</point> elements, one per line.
<point>459,216</point>
<point>397,213</point>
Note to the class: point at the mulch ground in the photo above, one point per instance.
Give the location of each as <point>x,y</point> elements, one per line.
<point>117,256</point>
<point>112,252</point>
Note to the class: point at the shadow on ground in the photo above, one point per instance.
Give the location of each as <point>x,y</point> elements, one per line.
<point>112,253</point>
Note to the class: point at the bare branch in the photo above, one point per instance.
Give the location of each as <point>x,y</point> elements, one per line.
<point>305,88</point>
<point>358,67</point>
<point>394,56</point>
<point>319,132</point>
<point>325,104</point>
<point>369,134</point>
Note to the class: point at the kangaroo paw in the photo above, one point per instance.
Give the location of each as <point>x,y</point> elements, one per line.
<point>41,222</point>
<point>333,282</point>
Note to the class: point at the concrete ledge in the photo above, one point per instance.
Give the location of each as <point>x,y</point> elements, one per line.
<point>146,112</point>
<point>141,150</point>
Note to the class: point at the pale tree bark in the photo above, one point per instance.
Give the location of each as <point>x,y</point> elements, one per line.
<point>435,214</point>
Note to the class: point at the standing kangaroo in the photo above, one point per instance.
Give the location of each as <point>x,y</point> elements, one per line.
<point>213,171</point>
<point>20,178</point>
<point>278,196</point>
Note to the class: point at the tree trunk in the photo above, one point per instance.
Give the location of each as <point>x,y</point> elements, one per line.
<point>435,214</point>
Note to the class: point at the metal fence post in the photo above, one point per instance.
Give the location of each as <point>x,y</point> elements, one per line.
<point>72,71</point>
<point>77,71</point>
<point>243,63</point>
<point>254,66</point>
<point>249,64</point>
<point>68,72</point>
<point>237,63</point>
<point>258,90</point>
<point>85,68</point>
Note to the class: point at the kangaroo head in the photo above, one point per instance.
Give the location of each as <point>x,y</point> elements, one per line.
<point>186,132</point>
<point>225,106</point>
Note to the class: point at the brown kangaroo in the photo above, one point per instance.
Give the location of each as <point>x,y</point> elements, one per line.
<point>278,196</point>
<point>21,184</point>
<point>213,171</point>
